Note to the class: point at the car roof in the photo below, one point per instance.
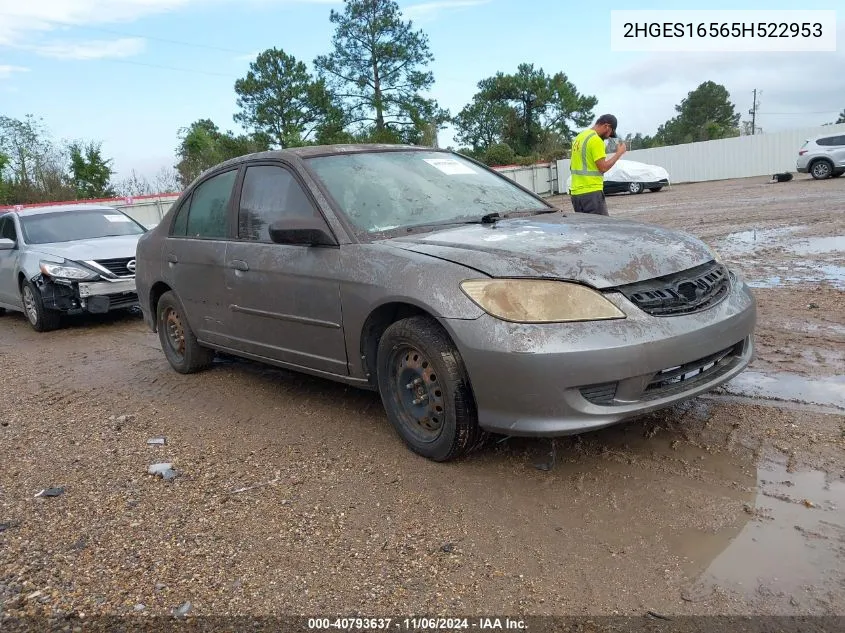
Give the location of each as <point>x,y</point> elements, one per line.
<point>52,208</point>
<point>312,151</point>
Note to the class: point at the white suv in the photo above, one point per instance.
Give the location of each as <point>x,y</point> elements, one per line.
<point>822,156</point>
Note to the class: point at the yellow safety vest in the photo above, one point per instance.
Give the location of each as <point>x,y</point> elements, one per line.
<point>586,177</point>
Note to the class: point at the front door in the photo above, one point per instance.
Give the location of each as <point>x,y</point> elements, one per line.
<point>195,253</point>
<point>9,293</point>
<point>284,300</point>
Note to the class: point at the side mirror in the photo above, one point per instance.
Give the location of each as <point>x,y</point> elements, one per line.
<point>303,231</point>
<point>7,245</point>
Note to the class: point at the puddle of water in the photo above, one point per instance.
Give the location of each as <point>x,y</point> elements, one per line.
<point>810,273</point>
<point>794,539</point>
<point>817,390</point>
<point>816,245</point>
<point>748,241</point>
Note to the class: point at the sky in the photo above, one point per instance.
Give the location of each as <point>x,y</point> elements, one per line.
<point>131,73</point>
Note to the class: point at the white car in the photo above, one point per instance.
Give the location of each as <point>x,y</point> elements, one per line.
<point>631,176</point>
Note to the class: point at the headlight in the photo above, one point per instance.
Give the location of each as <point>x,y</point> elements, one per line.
<point>539,301</point>
<point>67,271</point>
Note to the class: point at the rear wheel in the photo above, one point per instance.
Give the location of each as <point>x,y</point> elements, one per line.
<point>837,174</point>
<point>821,169</point>
<point>425,390</point>
<point>635,187</point>
<point>40,318</point>
<point>178,342</point>
<point>655,189</point>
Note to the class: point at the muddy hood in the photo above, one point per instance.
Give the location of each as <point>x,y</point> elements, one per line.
<point>597,250</point>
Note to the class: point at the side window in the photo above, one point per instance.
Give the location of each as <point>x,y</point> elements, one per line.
<point>7,229</point>
<point>269,193</point>
<point>180,224</point>
<point>830,140</point>
<point>209,205</point>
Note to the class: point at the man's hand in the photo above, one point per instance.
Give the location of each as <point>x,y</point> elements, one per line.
<point>621,149</point>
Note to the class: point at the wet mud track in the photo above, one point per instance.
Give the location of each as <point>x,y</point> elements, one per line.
<point>294,495</point>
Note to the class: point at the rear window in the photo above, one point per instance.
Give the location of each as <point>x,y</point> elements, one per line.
<point>831,140</point>
<point>72,226</point>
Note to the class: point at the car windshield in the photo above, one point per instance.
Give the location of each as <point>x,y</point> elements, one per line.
<point>382,191</point>
<point>74,225</point>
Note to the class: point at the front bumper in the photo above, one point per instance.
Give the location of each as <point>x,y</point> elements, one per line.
<point>95,297</point>
<point>563,379</point>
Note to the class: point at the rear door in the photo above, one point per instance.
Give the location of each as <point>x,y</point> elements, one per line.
<point>839,152</point>
<point>284,300</point>
<point>195,252</point>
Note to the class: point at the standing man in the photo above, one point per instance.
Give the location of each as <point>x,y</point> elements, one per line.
<point>588,164</point>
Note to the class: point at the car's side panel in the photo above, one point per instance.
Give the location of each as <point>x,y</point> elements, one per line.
<point>283,302</point>
<point>9,263</point>
<point>378,274</point>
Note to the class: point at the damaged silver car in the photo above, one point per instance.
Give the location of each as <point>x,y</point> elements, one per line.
<point>471,305</point>
<point>66,260</point>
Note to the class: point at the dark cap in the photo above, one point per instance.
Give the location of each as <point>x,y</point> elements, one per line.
<point>609,119</point>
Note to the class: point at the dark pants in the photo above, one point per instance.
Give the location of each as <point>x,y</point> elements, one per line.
<point>592,202</point>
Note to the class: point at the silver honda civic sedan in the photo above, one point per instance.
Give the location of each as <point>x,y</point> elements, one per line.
<point>65,260</point>
<point>471,305</point>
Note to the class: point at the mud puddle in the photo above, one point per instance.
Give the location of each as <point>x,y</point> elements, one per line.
<point>801,273</point>
<point>826,391</point>
<point>744,242</point>
<point>792,544</point>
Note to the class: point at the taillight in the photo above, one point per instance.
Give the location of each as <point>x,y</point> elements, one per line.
<point>802,152</point>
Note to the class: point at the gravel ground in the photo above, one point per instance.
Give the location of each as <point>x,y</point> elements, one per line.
<point>294,496</point>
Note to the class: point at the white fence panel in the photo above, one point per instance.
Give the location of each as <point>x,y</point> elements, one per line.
<point>738,157</point>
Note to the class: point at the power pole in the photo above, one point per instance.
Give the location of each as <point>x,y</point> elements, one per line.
<point>753,113</point>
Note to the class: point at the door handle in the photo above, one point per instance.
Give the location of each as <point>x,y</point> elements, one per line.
<point>171,258</point>
<point>239,264</point>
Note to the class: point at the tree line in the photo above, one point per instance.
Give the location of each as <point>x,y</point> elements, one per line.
<point>369,87</point>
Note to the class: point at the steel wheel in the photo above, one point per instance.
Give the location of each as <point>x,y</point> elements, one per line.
<point>418,396</point>
<point>178,342</point>
<point>30,305</point>
<point>175,332</point>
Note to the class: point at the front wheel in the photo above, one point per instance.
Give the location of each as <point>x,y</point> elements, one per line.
<point>425,390</point>
<point>178,342</point>
<point>40,318</point>
<point>635,187</point>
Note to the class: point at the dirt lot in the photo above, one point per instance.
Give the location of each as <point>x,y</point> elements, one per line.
<point>295,496</point>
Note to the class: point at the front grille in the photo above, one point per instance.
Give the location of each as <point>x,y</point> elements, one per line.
<point>117,266</point>
<point>686,292</point>
<point>669,381</point>
<point>673,380</point>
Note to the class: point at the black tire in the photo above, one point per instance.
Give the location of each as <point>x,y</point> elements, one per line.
<point>836,174</point>
<point>40,318</point>
<point>655,189</point>
<point>635,187</point>
<point>178,342</point>
<point>416,360</point>
<point>821,169</point>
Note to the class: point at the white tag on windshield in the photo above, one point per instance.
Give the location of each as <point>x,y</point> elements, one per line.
<point>117,218</point>
<point>449,166</point>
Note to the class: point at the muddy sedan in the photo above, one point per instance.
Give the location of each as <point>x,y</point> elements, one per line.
<point>471,305</point>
